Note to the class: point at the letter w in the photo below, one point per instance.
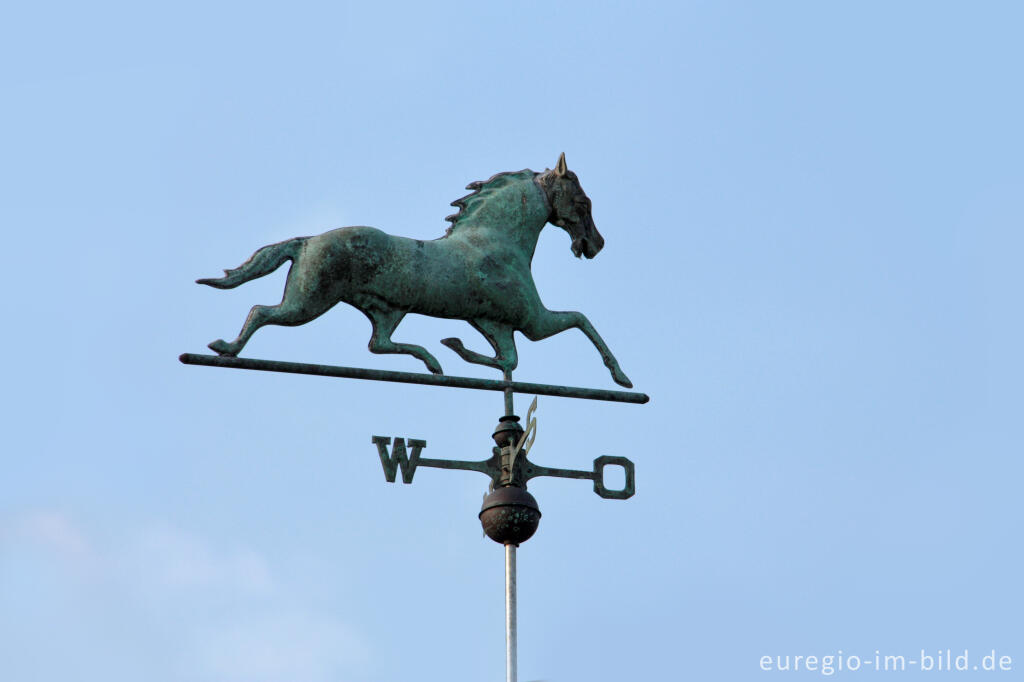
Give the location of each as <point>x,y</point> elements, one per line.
<point>398,458</point>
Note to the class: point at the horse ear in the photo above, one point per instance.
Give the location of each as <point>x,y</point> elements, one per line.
<point>560,167</point>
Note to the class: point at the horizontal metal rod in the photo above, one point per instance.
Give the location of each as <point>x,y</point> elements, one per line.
<point>413,378</point>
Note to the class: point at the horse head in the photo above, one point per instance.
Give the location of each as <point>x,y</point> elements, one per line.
<point>570,209</point>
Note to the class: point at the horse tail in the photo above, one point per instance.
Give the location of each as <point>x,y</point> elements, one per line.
<point>263,262</point>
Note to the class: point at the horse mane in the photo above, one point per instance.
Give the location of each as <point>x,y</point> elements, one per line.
<point>482,190</point>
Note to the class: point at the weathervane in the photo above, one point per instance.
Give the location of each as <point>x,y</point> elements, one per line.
<point>479,271</point>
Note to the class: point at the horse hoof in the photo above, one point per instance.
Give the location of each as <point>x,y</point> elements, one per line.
<point>453,343</point>
<point>221,347</point>
<point>216,282</point>
<point>622,380</point>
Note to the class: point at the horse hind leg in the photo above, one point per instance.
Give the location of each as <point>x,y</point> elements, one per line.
<point>499,336</point>
<point>263,262</point>
<point>258,316</point>
<point>384,321</point>
<point>294,309</point>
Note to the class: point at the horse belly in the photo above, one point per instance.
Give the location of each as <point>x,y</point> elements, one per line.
<point>470,285</point>
<point>368,268</point>
<point>362,266</point>
<point>430,279</point>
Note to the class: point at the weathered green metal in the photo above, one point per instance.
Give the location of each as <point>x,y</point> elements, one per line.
<point>407,460</point>
<point>479,271</point>
<point>400,460</point>
<point>508,387</point>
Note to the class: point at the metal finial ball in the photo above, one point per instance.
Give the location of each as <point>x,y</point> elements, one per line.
<point>508,431</point>
<point>510,515</point>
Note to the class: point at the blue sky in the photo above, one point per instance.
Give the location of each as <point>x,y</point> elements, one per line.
<point>812,215</point>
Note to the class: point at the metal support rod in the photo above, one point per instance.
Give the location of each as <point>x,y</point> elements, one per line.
<point>511,632</point>
<point>413,378</point>
<point>509,408</point>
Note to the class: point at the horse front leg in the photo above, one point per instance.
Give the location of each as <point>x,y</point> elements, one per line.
<point>548,323</point>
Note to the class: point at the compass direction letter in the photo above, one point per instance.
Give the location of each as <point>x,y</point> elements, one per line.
<point>398,459</point>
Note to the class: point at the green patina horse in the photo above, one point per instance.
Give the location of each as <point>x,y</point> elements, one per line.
<point>479,271</point>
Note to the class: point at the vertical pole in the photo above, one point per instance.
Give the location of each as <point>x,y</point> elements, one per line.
<point>508,394</point>
<point>511,632</point>
<point>510,614</point>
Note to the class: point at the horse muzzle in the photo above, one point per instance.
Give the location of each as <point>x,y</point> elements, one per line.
<point>586,240</point>
<point>590,243</point>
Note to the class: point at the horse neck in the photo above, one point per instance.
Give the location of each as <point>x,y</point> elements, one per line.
<point>510,216</point>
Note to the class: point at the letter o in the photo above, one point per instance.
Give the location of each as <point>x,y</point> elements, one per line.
<point>630,488</point>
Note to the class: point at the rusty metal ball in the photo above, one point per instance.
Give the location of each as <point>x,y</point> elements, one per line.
<point>510,515</point>
<point>508,431</point>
